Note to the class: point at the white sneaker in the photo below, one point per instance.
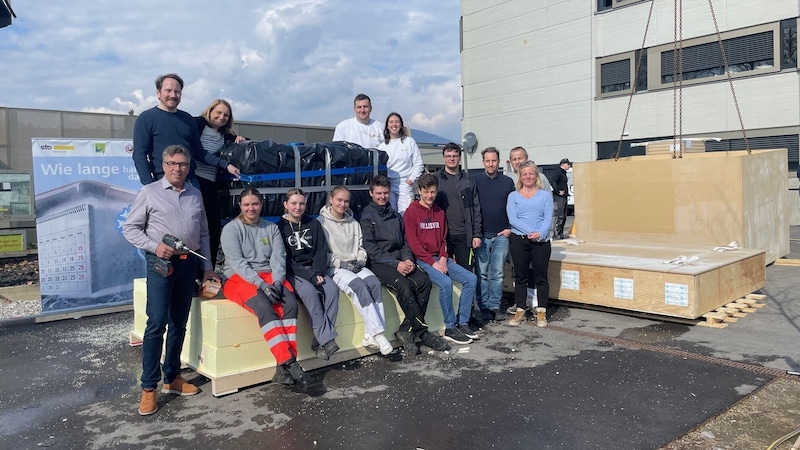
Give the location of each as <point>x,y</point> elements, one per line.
<point>369,342</point>
<point>532,301</point>
<point>384,344</point>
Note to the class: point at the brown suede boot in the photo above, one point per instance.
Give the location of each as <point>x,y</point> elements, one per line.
<point>518,318</point>
<point>179,386</point>
<point>541,317</point>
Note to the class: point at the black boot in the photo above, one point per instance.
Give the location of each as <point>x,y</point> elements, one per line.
<point>560,222</point>
<point>282,376</point>
<point>302,382</point>
<point>325,351</point>
<point>406,339</point>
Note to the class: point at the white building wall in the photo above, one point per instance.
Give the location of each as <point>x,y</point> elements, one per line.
<point>527,76</point>
<point>766,101</point>
<point>769,101</point>
<point>622,29</point>
<point>528,71</point>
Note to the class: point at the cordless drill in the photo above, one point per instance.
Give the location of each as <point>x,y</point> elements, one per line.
<point>164,266</point>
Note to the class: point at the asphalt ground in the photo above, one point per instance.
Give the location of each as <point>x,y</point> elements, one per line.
<point>592,379</point>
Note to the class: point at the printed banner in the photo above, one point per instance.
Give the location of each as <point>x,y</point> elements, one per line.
<point>84,189</point>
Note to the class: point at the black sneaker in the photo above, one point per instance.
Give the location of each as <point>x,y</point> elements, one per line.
<point>456,336</point>
<point>464,328</point>
<point>434,342</point>
<point>325,351</point>
<point>406,340</point>
<point>476,323</point>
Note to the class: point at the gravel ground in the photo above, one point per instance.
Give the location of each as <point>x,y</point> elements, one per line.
<point>18,271</point>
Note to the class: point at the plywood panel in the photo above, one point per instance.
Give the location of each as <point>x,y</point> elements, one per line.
<point>636,277</point>
<point>707,199</point>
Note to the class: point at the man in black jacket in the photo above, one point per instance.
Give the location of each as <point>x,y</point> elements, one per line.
<point>391,260</point>
<point>458,197</point>
<point>560,194</point>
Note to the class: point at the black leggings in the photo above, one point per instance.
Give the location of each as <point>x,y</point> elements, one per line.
<point>536,255</point>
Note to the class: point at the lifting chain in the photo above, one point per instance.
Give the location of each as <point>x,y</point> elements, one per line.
<point>677,80</point>
<point>634,81</point>
<point>730,80</point>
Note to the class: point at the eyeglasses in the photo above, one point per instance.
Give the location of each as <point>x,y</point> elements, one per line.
<point>172,164</point>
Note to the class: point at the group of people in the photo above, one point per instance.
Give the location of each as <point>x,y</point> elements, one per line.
<point>271,268</point>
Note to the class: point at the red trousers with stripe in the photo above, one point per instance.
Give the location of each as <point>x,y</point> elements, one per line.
<point>278,322</point>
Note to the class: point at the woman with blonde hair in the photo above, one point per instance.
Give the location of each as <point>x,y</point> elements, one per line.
<point>215,126</point>
<point>530,211</point>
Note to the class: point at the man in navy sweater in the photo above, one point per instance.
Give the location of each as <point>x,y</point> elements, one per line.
<point>164,125</point>
<point>493,189</point>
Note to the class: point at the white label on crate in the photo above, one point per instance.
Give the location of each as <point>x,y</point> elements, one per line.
<point>570,279</point>
<point>623,288</point>
<point>676,294</point>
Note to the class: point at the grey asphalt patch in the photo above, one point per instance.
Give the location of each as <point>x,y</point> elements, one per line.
<point>516,386</point>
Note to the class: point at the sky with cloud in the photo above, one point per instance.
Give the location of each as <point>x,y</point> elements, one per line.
<point>287,61</point>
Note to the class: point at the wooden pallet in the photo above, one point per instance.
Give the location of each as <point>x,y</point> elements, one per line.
<point>787,262</point>
<point>732,312</point>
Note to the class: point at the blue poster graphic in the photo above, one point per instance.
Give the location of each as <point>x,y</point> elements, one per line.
<point>84,189</point>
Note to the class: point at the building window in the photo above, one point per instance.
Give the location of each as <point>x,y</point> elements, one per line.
<point>791,142</point>
<point>744,53</point>
<point>789,44</point>
<point>615,76</point>
<point>603,5</point>
<point>641,77</point>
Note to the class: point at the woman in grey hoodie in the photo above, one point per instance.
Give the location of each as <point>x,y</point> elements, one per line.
<point>346,267</point>
<point>255,264</point>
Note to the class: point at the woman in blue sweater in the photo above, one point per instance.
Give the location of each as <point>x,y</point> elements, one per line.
<point>530,211</point>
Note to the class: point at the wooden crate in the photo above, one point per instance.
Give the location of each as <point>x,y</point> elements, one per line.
<point>702,199</point>
<point>224,343</point>
<point>665,147</point>
<point>636,278</point>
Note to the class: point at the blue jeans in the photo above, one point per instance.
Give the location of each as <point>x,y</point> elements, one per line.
<point>467,279</point>
<point>168,302</point>
<point>491,256</point>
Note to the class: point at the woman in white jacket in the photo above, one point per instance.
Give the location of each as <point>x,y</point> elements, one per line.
<point>405,162</point>
<point>346,267</point>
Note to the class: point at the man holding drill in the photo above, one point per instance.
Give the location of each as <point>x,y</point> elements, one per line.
<point>169,206</point>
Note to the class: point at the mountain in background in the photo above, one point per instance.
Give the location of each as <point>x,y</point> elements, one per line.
<point>423,137</point>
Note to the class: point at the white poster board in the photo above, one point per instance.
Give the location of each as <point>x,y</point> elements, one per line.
<point>83,191</point>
